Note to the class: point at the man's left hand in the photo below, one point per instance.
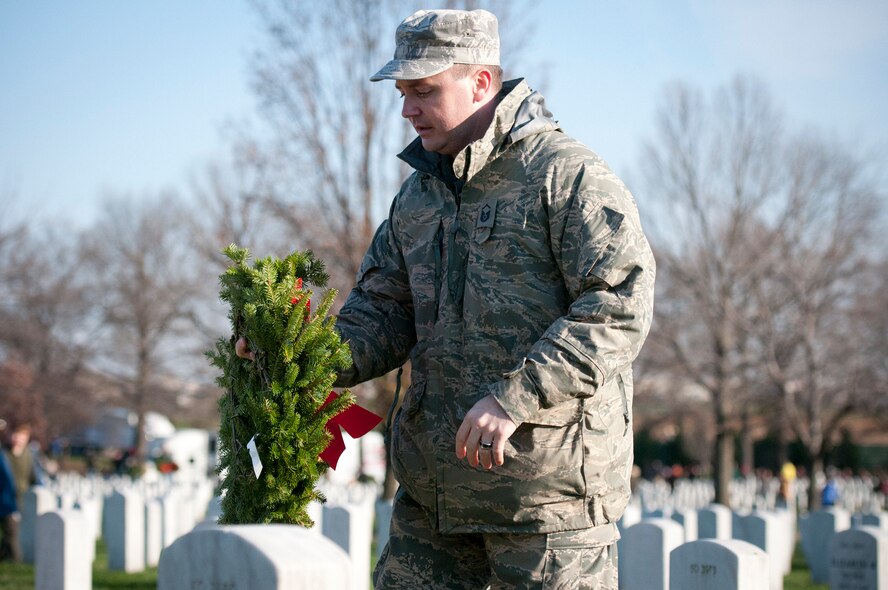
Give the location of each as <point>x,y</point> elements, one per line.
<point>485,423</point>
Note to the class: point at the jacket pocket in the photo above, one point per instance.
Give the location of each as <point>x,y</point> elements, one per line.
<point>539,488</point>
<point>409,453</point>
<point>608,451</point>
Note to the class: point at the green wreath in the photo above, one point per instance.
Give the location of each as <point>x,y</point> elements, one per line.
<point>276,400</point>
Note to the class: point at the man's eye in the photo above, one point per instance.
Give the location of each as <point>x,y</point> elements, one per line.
<point>423,92</point>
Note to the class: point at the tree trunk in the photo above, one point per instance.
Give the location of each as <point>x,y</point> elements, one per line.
<point>782,439</point>
<point>724,463</point>
<point>747,446</point>
<point>139,394</point>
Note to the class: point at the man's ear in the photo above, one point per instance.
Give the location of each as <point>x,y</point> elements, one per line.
<point>483,81</point>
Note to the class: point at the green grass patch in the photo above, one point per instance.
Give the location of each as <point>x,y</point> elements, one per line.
<point>799,577</point>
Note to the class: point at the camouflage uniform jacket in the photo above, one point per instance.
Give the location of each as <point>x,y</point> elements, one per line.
<point>517,268</point>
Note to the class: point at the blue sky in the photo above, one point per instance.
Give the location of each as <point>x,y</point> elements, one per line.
<point>132,97</point>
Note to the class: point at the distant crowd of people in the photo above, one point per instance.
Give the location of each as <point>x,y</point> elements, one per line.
<point>17,474</point>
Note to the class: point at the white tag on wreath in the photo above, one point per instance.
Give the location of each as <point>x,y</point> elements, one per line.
<point>254,455</point>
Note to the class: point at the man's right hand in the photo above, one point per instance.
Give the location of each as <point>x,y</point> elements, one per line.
<point>242,349</point>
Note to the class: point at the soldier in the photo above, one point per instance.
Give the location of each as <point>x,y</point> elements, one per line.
<point>513,273</point>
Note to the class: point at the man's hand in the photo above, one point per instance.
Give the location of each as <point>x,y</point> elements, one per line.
<point>486,423</point>
<point>242,349</point>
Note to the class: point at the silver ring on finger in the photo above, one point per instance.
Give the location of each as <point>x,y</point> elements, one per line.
<point>487,445</point>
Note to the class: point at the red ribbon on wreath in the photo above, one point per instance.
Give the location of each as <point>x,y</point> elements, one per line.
<point>296,298</point>
<point>355,420</point>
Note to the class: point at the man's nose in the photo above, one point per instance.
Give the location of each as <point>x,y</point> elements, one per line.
<point>409,108</point>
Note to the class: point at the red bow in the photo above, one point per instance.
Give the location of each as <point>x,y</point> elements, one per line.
<point>355,420</point>
<point>296,298</point>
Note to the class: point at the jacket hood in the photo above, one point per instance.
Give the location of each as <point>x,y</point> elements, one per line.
<point>521,113</point>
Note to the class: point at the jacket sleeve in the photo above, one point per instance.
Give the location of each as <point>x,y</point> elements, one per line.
<point>377,317</point>
<point>608,269</point>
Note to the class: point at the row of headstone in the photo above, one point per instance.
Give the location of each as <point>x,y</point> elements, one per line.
<point>857,494</point>
<point>645,547</point>
<point>61,524</point>
<point>653,555</point>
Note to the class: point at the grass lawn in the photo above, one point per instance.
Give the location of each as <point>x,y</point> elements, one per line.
<point>800,578</point>
<point>21,576</point>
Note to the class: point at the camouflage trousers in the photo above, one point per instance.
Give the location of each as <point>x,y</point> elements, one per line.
<point>417,556</point>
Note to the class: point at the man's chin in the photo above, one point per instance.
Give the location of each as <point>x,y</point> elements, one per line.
<point>434,146</point>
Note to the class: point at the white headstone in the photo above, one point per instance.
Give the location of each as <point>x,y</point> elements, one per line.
<point>766,531</point>
<point>688,520</point>
<point>817,531</point>
<point>788,526</point>
<point>185,515</point>
<point>383,520</point>
<point>91,509</point>
<point>316,512</point>
<point>714,522</point>
<point>859,559</point>
<point>631,515</point>
<point>153,532</point>
<point>125,531</point>
<point>37,501</point>
<point>878,520</point>
<point>644,553</point>
<point>715,564</point>
<point>351,527</point>
<point>214,509</point>
<point>244,557</point>
<point>63,560</point>
<point>66,501</point>
<point>171,529</point>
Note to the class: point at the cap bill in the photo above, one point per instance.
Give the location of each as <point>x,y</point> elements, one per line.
<point>411,69</point>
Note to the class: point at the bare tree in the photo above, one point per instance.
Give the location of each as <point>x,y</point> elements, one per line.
<point>764,248</point>
<point>146,284</point>
<point>45,300</point>
<point>712,169</point>
<point>819,349</point>
<point>870,320</point>
<point>229,198</point>
<point>229,208</point>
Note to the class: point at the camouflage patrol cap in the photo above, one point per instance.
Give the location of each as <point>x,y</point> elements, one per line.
<point>430,41</point>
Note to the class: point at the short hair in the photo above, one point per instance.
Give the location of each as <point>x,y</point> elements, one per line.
<point>465,70</point>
